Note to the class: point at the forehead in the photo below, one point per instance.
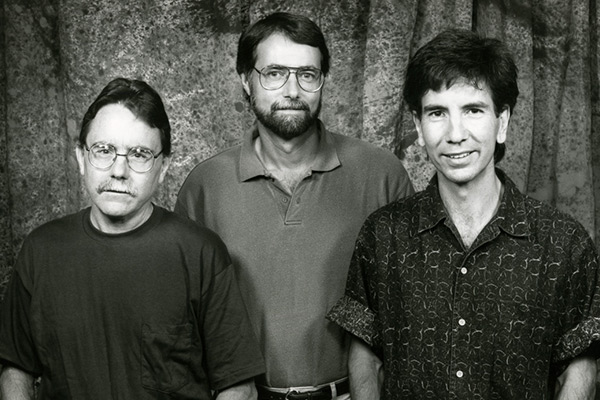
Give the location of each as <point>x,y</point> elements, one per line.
<point>459,93</point>
<point>117,125</point>
<point>280,50</point>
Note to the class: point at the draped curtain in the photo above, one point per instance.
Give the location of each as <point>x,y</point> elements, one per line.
<point>57,55</point>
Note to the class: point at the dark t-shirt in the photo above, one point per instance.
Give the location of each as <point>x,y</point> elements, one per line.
<point>149,314</point>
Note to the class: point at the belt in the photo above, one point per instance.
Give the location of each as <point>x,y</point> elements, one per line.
<point>322,393</point>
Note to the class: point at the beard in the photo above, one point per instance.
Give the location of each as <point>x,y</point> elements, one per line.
<point>286,127</point>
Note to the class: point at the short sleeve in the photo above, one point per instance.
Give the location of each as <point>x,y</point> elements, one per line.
<point>232,351</point>
<point>583,302</point>
<point>16,339</point>
<point>356,312</point>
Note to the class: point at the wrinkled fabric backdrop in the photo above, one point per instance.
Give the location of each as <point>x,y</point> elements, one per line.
<point>56,56</point>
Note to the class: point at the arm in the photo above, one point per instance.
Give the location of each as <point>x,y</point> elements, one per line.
<point>243,391</point>
<point>365,372</point>
<point>578,381</point>
<point>15,384</point>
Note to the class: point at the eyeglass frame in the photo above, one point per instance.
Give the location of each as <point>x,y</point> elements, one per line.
<point>116,154</point>
<point>291,70</point>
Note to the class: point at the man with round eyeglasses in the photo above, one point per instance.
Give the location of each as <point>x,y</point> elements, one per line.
<point>124,299</point>
<point>103,156</point>
<point>288,202</point>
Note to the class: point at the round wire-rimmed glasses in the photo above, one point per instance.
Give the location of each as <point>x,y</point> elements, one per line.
<point>103,156</point>
<point>273,77</point>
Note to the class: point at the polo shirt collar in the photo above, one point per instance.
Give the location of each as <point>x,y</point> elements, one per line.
<point>250,166</point>
<point>511,216</point>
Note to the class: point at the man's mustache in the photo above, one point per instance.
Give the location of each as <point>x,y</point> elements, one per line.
<point>290,105</point>
<point>115,187</point>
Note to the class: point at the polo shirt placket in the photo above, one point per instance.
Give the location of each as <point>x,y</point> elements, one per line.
<point>290,207</point>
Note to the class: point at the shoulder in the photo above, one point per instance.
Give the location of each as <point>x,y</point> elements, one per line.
<point>202,248</point>
<point>362,150</point>
<point>377,165</point>
<point>552,224</point>
<point>183,230</point>
<point>400,216</point>
<point>56,229</point>
<point>60,235</point>
<point>218,164</point>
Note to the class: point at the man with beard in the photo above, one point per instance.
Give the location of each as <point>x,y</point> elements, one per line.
<point>124,299</point>
<point>288,202</point>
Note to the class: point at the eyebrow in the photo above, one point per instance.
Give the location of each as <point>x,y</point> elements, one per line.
<point>285,66</point>
<point>139,146</point>
<point>433,107</point>
<point>475,104</point>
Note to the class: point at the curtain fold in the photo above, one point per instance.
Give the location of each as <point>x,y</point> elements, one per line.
<point>57,55</point>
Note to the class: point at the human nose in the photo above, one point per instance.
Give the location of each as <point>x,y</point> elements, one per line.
<point>291,87</point>
<point>120,168</point>
<point>457,132</point>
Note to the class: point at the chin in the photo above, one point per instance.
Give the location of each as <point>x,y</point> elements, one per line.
<point>115,211</point>
<point>458,177</point>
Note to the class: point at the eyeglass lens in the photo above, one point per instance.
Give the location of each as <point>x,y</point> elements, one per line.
<point>309,79</point>
<point>103,156</point>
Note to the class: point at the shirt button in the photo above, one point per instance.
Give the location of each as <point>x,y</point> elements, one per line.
<point>459,374</point>
<point>462,322</point>
<point>463,271</point>
<point>284,199</point>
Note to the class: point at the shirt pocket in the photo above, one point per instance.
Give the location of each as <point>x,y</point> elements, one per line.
<point>166,353</point>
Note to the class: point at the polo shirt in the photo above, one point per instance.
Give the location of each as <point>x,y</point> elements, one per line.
<point>498,320</point>
<point>291,251</point>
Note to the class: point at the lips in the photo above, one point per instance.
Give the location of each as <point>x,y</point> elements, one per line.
<point>459,156</point>
<point>115,190</point>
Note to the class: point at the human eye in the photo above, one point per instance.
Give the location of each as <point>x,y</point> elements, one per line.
<point>308,75</point>
<point>103,150</point>
<point>140,154</point>
<point>474,110</point>
<point>435,114</point>
<point>274,73</point>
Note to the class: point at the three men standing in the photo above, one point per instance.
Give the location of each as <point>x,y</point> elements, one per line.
<point>466,290</point>
<point>289,201</point>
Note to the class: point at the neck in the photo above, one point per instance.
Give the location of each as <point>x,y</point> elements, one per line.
<point>115,225</point>
<point>288,161</point>
<point>471,206</point>
<point>280,154</point>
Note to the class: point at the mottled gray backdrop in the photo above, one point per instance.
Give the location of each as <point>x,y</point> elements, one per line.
<point>57,55</point>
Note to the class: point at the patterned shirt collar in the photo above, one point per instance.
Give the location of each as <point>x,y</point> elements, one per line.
<point>250,166</point>
<point>511,216</point>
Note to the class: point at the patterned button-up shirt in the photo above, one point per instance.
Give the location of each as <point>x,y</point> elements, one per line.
<point>499,320</point>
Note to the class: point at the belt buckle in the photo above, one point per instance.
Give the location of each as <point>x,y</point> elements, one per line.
<point>293,392</point>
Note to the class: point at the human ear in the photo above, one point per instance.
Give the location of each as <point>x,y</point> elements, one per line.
<point>166,162</point>
<point>504,118</point>
<point>417,122</point>
<point>79,153</point>
<point>245,83</point>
